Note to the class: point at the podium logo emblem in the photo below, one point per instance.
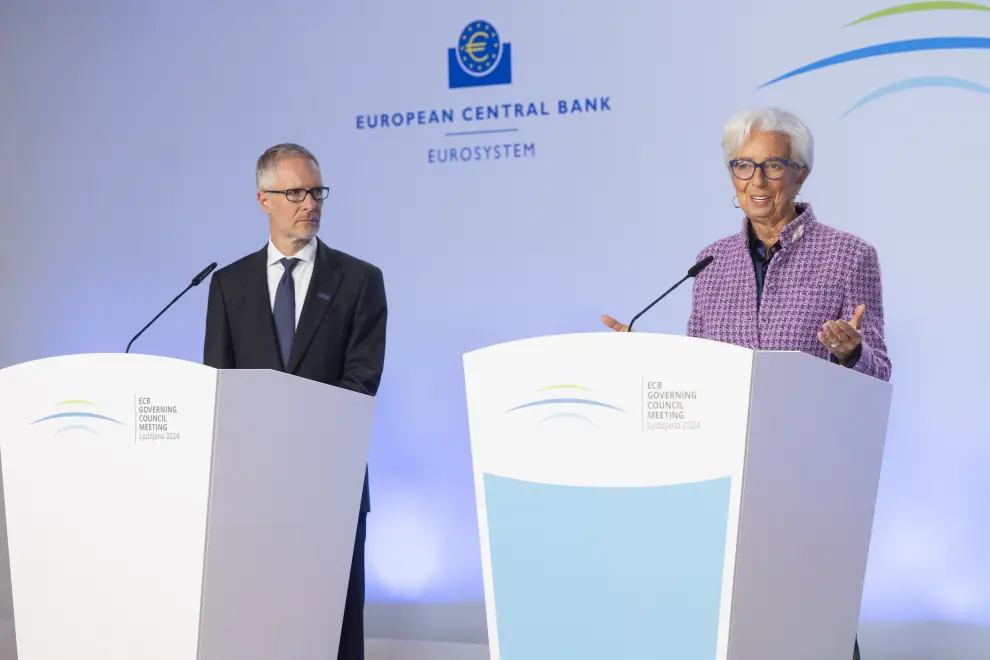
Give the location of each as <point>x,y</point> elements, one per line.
<point>76,415</point>
<point>564,401</point>
<point>480,58</point>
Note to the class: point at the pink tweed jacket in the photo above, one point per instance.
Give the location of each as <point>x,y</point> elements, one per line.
<point>819,274</point>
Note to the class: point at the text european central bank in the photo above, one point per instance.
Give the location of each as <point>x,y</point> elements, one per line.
<point>488,131</point>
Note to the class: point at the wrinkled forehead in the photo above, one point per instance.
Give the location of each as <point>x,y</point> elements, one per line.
<point>762,145</point>
<point>297,172</point>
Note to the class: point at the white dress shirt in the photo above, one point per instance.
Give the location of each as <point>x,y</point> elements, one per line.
<point>302,274</point>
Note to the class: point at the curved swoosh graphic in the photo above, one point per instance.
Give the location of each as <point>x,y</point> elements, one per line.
<point>571,416</point>
<point>547,402</point>
<point>915,83</point>
<point>77,427</point>
<point>918,6</point>
<point>891,48</point>
<point>566,387</point>
<point>69,402</point>
<point>76,414</point>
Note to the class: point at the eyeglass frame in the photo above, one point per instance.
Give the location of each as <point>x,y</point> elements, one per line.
<point>760,166</point>
<point>324,189</point>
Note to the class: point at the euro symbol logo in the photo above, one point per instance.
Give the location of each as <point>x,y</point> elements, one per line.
<point>480,48</point>
<point>477,44</point>
<point>480,57</point>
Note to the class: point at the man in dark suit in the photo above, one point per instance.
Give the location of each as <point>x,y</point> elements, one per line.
<point>301,307</point>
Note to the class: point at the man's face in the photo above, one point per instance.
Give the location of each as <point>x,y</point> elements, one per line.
<point>296,221</point>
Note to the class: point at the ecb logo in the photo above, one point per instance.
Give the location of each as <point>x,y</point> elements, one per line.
<point>73,415</point>
<point>480,58</point>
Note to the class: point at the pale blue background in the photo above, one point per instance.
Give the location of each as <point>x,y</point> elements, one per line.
<point>129,132</point>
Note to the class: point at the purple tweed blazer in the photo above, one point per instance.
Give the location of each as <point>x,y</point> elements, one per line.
<point>819,274</point>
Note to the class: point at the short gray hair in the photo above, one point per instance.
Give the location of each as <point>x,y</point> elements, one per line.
<point>264,171</point>
<point>769,120</point>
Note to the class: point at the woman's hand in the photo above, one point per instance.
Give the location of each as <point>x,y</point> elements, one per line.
<point>842,338</point>
<point>615,325</point>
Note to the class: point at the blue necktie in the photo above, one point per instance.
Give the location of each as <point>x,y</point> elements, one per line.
<point>285,311</point>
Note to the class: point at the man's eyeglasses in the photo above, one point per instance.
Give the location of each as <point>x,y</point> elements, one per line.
<point>299,194</point>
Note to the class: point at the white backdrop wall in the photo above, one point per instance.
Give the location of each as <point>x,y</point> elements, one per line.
<point>129,133</point>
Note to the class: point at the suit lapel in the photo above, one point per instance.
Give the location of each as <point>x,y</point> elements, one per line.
<point>260,307</point>
<point>322,290</point>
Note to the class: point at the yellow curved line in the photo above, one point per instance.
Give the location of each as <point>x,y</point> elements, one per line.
<point>565,387</point>
<point>68,402</point>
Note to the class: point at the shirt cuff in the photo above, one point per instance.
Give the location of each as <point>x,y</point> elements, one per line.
<point>853,361</point>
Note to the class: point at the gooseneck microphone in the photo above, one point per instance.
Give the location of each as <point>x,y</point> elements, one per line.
<point>196,281</point>
<point>692,272</point>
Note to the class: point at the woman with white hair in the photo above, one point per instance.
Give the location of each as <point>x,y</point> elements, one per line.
<point>786,281</point>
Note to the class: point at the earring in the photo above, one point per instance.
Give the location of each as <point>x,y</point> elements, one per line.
<point>798,199</point>
<point>735,202</point>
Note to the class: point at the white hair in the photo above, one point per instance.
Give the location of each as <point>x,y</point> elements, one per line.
<point>264,172</point>
<point>769,120</point>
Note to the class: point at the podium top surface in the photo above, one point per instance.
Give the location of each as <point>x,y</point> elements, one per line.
<point>98,360</point>
<point>609,341</point>
<point>610,338</point>
<point>608,350</point>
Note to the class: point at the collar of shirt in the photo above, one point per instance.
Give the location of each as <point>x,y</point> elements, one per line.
<point>761,261</point>
<point>758,249</point>
<point>803,225</point>
<point>307,254</point>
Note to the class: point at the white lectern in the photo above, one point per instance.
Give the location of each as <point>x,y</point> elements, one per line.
<point>653,496</point>
<point>161,509</point>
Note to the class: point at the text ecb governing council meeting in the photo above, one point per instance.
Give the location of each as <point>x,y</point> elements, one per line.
<point>482,59</point>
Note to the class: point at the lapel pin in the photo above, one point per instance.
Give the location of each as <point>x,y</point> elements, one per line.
<point>323,296</point>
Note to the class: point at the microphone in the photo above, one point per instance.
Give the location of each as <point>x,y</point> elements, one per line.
<point>196,281</point>
<point>692,272</point>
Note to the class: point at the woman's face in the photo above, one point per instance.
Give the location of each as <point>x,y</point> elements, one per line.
<point>766,194</point>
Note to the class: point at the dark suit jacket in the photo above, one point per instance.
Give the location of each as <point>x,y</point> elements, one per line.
<point>340,338</point>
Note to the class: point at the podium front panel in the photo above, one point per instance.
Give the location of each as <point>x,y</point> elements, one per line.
<point>106,468</point>
<point>607,474</point>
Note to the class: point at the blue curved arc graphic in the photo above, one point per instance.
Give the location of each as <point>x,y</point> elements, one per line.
<point>87,415</point>
<point>891,48</point>
<point>547,402</point>
<point>569,415</point>
<point>76,427</point>
<point>917,83</point>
